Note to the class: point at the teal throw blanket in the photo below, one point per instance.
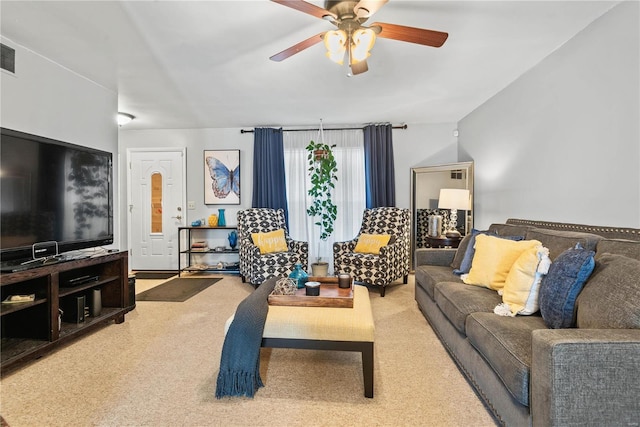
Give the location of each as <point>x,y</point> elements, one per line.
<point>240,360</point>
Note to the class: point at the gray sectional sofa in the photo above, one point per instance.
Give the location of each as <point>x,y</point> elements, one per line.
<point>527,373</point>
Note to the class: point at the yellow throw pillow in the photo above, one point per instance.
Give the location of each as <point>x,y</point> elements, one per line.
<point>521,289</point>
<point>371,243</point>
<point>493,259</point>
<point>270,242</point>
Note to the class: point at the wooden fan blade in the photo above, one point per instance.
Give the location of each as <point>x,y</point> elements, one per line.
<point>359,68</point>
<point>366,8</point>
<point>305,7</point>
<point>297,47</point>
<point>411,34</point>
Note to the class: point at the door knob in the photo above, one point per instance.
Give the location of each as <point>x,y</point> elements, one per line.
<point>179,217</point>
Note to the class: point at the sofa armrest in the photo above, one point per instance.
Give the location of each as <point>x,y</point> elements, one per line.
<point>585,377</point>
<point>434,256</point>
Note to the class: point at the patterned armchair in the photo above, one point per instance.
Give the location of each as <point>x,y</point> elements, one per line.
<point>422,224</point>
<point>257,267</point>
<point>393,260</point>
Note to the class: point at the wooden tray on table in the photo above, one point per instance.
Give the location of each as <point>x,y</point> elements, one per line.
<point>330,295</point>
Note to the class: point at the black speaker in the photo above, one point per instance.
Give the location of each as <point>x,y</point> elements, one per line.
<point>73,309</point>
<point>95,302</point>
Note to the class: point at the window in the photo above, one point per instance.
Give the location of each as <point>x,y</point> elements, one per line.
<point>156,202</point>
<point>349,195</point>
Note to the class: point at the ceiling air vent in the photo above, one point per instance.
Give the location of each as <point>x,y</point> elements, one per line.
<point>8,61</point>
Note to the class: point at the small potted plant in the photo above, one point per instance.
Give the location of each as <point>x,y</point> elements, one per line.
<point>322,171</point>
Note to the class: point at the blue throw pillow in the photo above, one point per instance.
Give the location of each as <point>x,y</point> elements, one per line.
<point>560,287</point>
<point>465,264</point>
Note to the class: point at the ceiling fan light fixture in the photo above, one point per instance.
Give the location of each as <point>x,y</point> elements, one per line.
<point>362,42</point>
<point>335,42</point>
<point>362,12</point>
<point>351,37</point>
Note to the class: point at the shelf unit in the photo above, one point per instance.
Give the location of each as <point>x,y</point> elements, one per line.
<point>31,329</point>
<point>189,254</point>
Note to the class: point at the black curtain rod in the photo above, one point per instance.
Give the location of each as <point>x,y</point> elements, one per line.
<point>299,130</point>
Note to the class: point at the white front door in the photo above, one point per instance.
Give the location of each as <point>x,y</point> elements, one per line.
<point>157,198</point>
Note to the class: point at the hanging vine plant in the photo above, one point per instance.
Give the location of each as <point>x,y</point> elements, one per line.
<point>322,171</point>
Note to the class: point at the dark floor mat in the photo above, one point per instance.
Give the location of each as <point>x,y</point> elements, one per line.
<point>176,290</point>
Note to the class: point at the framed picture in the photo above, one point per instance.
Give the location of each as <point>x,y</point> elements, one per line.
<point>222,177</point>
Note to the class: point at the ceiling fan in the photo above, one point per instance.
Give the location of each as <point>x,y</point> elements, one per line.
<point>352,37</point>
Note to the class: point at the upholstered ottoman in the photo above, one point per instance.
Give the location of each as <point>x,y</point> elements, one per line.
<point>325,328</point>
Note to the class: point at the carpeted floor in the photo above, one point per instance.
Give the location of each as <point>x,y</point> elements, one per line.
<point>177,290</point>
<point>159,368</point>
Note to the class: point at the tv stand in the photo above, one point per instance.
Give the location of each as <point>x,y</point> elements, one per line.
<point>34,328</point>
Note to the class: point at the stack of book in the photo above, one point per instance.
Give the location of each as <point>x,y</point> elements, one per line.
<point>200,246</point>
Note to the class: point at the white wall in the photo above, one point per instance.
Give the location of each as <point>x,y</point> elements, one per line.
<point>46,99</point>
<point>562,143</point>
<point>195,141</point>
<point>418,145</point>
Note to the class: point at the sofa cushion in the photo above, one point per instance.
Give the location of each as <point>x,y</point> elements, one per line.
<point>428,275</point>
<point>561,286</point>
<point>611,297</point>
<point>559,241</point>
<point>505,343</point>
<point>468,250</point>
<point>457,300</point>
<point>462,249</point>
<point>628,248</point>
<point>493,259</point>
<point>510,230</point>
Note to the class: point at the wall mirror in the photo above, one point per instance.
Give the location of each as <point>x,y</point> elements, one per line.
<point>426,183</point>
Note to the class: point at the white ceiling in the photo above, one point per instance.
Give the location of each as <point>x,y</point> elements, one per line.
<point>205,64</point>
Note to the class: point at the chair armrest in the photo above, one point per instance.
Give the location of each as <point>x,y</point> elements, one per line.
<point>394,247</point>
<point>249,247</point>
<point>246,241</point>
<point>298,246</point>
<point>585,377</point>
<point>432,256</point>
<point>346,246</point>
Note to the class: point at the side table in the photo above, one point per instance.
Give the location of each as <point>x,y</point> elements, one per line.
<point>443,242</point>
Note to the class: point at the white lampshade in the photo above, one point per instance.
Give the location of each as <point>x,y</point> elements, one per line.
<point>336,44</point>
<point>363,41</point>
<point>454,198</point>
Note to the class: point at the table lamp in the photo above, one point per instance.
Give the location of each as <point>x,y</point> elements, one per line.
<point>453,199</point>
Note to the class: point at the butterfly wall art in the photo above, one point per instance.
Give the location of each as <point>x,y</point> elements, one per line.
<point>222,177</point>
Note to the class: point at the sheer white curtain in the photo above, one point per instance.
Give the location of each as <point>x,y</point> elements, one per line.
<point>349,195</point>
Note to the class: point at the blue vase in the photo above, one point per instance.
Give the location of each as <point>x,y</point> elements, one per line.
<point>221,221</point>
<point>299,275</point>
<point>233,239</point>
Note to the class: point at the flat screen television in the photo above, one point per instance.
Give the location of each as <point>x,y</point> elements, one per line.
<point>55,197</point>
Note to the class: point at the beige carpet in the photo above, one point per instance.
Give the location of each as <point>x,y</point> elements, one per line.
<point>159,367</point>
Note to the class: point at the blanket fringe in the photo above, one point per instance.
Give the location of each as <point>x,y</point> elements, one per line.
<point>234,383</point>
